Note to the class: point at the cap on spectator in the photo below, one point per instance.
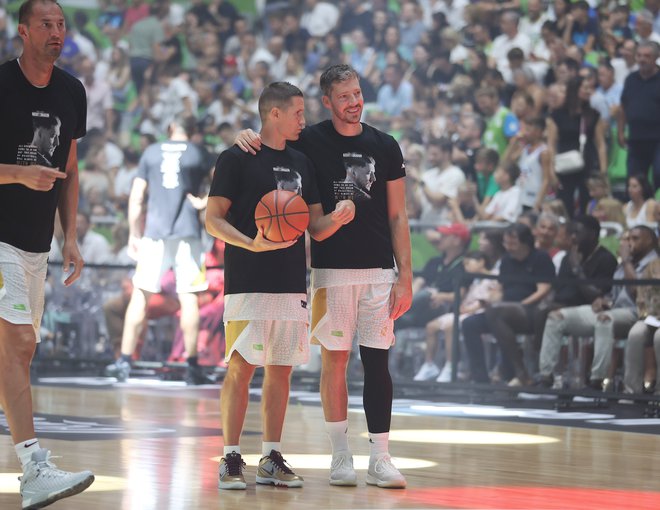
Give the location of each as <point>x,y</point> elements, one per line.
<point>230,60</point>
<point>455,229</point>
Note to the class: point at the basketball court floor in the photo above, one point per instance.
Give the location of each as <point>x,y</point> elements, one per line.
<point>155,445</point>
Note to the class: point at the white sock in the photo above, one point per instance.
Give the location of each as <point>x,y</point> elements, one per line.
<point>338,432</point>
<point>25,450</point>
<point>379,444</point>
<point>229,449</point>
<point>268,446</point>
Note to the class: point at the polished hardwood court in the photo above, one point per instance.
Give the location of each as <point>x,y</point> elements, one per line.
<point>157,446</point>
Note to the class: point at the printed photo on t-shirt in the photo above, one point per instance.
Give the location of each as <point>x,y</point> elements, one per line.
<point>360,176</point>
<point>287,179</point>
<point>45,139</point>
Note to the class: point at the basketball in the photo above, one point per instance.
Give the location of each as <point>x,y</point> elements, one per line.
<point>281,215</point>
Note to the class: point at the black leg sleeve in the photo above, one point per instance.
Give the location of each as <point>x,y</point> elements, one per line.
<point>377,396</point>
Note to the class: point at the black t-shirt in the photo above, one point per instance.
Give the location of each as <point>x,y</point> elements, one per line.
<point>244,179</point>
<point>173,169</point>
<point>538,264</point>
<point>601,264</point>
<point>640,100</point>
<point>38,125</point>
<point>442,276</point>
<point>445,76</point>
<point>357,168</point>
<point>570,126</point>
<point>173,43</point>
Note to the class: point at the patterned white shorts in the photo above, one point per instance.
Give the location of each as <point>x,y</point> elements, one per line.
<point>341,312</point>
<point>268,342</point>
<point>23,276</point>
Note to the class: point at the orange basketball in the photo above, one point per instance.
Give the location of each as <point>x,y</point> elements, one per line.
<point>281,215</point>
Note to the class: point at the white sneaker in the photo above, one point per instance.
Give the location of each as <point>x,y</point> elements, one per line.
<point>515,383</point>
<point>43,484</point>
<point>427,371</point>
<point>341,470</point>
<point>445,373</point>
<point>558,382</point>
<point>383,473</point>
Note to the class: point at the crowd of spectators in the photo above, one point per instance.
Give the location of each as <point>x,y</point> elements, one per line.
<point>541,113</point>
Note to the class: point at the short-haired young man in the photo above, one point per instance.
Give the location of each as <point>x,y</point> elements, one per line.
<point>266,316</point>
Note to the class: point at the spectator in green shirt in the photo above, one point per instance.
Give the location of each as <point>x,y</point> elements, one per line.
<point>501,124</point>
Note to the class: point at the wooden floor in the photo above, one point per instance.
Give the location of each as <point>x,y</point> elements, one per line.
<point>158,449</point>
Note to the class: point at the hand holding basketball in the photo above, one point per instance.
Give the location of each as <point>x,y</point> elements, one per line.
<point>281,216</point>
<point>260,243</point>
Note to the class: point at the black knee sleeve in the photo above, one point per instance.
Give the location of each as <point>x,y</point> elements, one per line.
<point>377,395</point>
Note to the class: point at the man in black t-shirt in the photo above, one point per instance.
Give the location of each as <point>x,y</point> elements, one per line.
<point>433,289</point>
<point>356,291</point>
<point>584,259</point>
<point>517,312</point>
<point>266,316</point>
<point>43,113</point>
<point>171,174</point>
<point>640,110</point>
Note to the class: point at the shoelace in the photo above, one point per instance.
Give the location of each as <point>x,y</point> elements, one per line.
<point>235,464</point>
<point>340,461</point>
<point>46,463</point>
<point>280,463</point>
<point>384,464</point>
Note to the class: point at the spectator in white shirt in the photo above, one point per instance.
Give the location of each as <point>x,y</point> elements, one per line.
<point>94,248</point>
<point>439,183</point>
<point>451,41</point>
<point>533,22</point>
<point>510,38</point>
<point>396,95</point>
<point>99,98</point>
<point>506,204</point>
<point>644,27</point>
<point>454,11</point>
<point>608,88</point>
<point>625,63</point>
<point>175,98</point>
<point>319,18</point>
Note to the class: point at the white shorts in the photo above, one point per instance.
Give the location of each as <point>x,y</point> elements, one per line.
<point>156,256</point>
<point>338,313</point>
<point>268,342</point>
<point>23,276</point>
